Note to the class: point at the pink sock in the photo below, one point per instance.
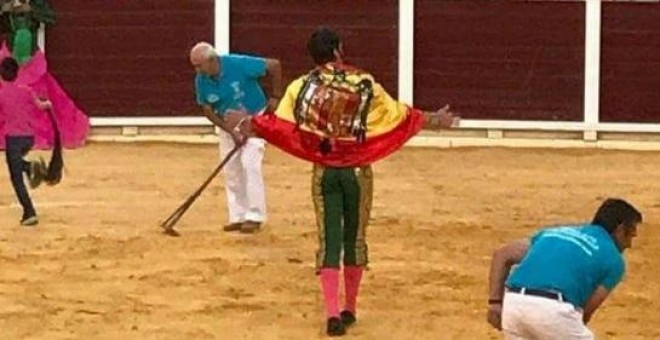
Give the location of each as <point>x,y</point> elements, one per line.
<point>330,286</point>
<point>352,278</point>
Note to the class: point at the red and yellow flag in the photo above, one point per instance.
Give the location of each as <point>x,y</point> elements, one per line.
<point>387,124</point>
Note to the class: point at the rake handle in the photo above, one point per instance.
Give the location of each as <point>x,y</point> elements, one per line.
<point>172,220</point>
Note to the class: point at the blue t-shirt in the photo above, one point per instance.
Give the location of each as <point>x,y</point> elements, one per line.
<point>237,87</point>
<point>572,260</point>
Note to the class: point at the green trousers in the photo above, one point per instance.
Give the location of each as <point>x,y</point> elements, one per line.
<point>342,200</point>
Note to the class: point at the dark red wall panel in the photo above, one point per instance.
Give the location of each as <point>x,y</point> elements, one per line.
<point>501,59</point>
<point>128,58</point>
<point>280,29</point>
<point>630,62</point>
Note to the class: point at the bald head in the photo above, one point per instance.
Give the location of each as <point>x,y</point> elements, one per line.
<point>201,52</point>
<point>204,58</point>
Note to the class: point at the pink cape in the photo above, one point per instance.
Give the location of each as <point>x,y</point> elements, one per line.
<point>72,122</point>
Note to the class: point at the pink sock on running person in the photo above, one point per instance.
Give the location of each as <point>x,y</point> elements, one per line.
<point>330,285</point>
<point>352,279</point>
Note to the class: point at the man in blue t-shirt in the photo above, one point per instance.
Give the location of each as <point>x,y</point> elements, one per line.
<point>563,275</point>
<point>233,82</point>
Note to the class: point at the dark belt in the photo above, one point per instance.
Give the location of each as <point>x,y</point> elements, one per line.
<point>537,292</point>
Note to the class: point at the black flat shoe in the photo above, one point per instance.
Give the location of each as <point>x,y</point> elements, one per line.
<point>335,327</point>
<point>347,318</point>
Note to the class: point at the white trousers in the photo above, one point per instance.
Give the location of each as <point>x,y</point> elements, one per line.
<point>539,318</point>
<point>244,182</point>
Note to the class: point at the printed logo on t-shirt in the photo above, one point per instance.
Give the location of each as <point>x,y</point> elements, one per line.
<point>586,242</point>
<point>238,92</point>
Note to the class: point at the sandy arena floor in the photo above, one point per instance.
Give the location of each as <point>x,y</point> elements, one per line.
<point>98,267</point>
